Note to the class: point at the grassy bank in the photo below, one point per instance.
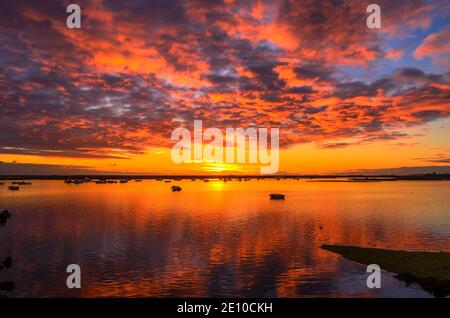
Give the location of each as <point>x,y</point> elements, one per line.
<point>430,270</point>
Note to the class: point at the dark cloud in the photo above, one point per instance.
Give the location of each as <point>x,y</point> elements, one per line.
<point>447,160</point>
<point>77,153</point>
<point>353,89</point>
<point>315,110</point>
<point>15,168</point>
<point>401,170</point>
<point>427,115</point>
<point>438,158</point>
<point>313,71</point>
<point>334,145</point>
<point>301,90</point>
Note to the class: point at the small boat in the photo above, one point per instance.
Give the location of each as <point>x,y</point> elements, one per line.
<point>123,181</point>
<point>276,196</point>
<point>206,180</point>
<point>100,182</point>
<point>176,188</point>
<point>167,181</point>
<point>138,180</point>
<point>13,188</point>
<point>21,183</point>
<point>5,214</point>
<point>7,286</point>
<point>2,183</point>
<point>7,263</point>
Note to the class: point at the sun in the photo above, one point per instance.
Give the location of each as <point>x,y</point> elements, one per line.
<point>222,167</point>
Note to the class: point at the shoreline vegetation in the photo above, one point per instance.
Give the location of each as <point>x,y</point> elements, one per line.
<point>308,178</point>
<point>431,270</point>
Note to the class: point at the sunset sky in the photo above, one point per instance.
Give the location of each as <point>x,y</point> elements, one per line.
<point>106,97</point>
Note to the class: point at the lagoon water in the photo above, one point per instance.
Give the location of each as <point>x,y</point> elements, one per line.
<point>215,239</point>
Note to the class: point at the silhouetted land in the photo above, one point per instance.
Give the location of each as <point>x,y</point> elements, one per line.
<point>7,286</point>
<point>430,270</point>
<point>328,178</point>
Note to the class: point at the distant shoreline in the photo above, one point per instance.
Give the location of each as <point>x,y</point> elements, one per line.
<point>316,178</point>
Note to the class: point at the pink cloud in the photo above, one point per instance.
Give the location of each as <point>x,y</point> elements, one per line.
<point>435,46</point>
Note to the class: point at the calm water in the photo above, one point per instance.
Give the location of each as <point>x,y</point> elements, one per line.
<point>215,239</point>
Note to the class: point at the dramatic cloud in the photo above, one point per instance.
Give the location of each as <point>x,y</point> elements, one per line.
<point>137,70</point>
<point>401,171</point>
<point>15,168</point>
<point>438,158</point>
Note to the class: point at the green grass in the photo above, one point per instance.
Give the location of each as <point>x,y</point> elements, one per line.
<point>430,270</point>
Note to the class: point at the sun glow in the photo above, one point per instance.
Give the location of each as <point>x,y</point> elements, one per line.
<point>222,167</point>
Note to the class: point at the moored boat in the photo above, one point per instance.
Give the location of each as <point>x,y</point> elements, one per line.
<point>23,183</point>
<point>176,188</point>
<point>5,214</point>
<point>276,196</point>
